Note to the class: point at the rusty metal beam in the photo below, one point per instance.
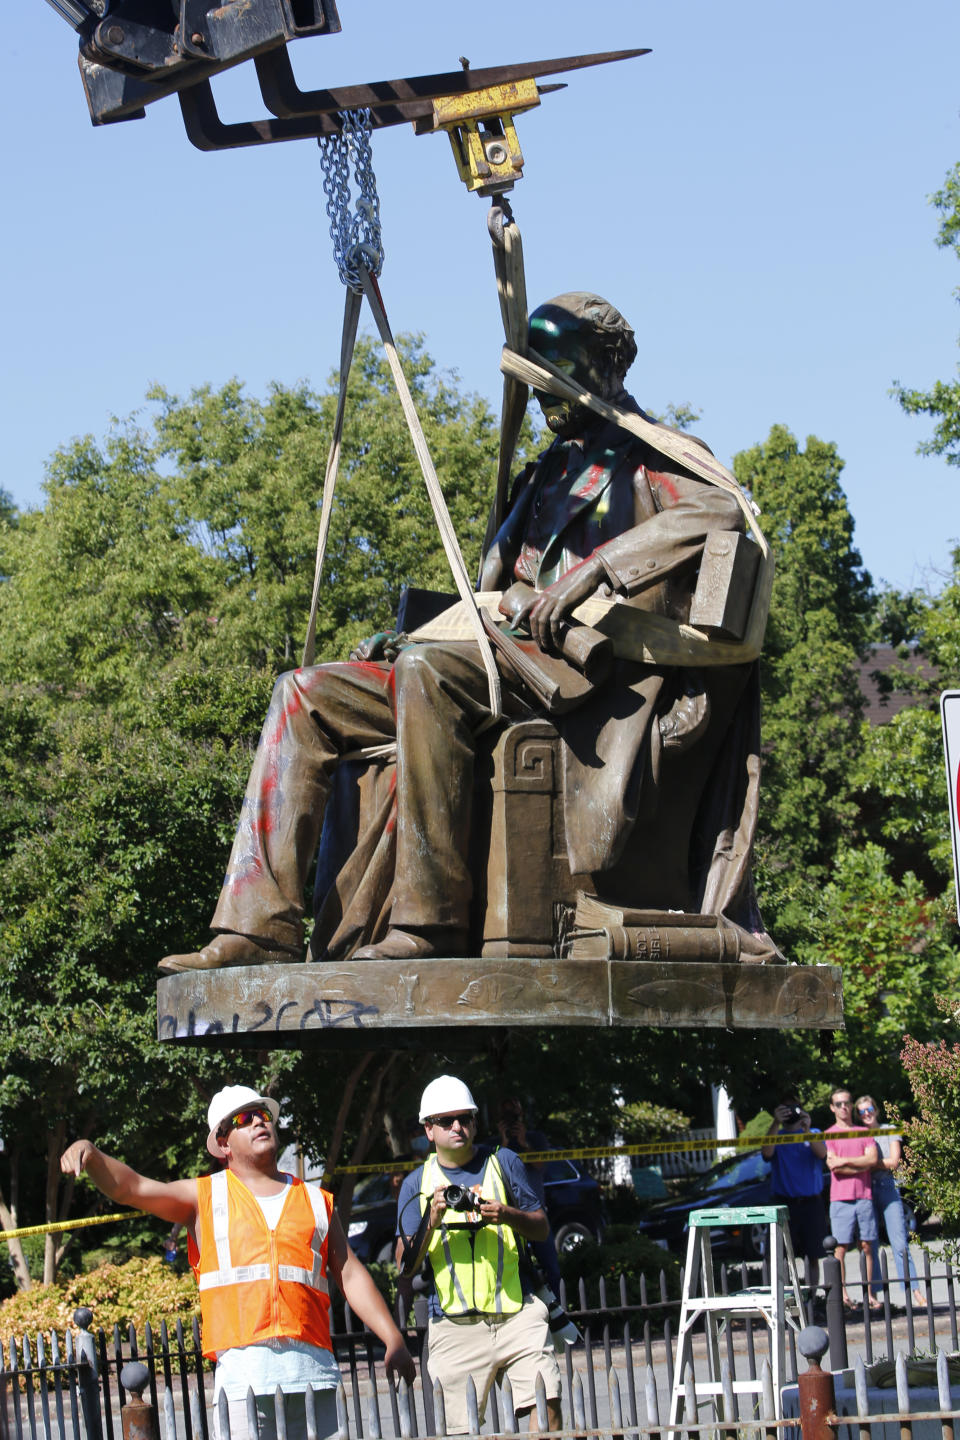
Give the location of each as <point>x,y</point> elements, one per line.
<point>309,114</point>
<point>393,101</point>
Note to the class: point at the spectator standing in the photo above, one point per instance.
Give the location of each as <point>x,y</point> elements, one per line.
<point>850,1160</point>
<point>796,1178</point>
<point>461,1214</point>
<point>888,1202</point>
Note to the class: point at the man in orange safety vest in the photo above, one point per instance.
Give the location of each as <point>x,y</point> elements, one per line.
<point>262,1245</point>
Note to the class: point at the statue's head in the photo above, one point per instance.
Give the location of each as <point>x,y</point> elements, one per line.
<point>588,339</point>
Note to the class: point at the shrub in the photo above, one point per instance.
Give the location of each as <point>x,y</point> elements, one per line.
<point>622,1251</point>
<point>931,1168</point>
<point>622,1204</point>
<point>130,1294</point>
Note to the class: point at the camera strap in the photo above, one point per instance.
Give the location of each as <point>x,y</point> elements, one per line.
<point>411,1249</point>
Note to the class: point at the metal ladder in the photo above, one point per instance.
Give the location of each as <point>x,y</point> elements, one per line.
<point>779,1304</point>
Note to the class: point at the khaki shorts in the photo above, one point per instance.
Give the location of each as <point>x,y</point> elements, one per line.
<point>489,1347</point>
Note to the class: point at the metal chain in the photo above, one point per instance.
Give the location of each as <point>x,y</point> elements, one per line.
<point>356,235</point>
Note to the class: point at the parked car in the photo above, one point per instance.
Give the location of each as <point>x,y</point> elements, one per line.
<point>573,1206</point>
<point>741,1181</point>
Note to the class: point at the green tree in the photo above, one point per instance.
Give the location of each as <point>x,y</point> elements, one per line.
<point>895,946</point>
<point>943,400</point>
<point>931,1172</point>
<point>251,475</point>
<point>899,780</point>
<point>811,701</point>
<point>147,604</point>
<point>110,846</point>
<point>104,584</point>
<point>899,776</point>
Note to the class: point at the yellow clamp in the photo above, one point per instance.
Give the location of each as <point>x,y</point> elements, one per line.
<point>482,134</point>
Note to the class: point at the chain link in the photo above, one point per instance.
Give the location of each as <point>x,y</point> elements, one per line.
<point>356,235</point>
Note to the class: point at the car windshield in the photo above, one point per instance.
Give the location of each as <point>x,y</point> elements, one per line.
<point>556,1171</point>
<point>739,1170</point>
<point>371,1190</point>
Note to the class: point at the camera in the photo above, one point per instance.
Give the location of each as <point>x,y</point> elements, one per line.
<point>792,1115</point>
<point>458,1197</point>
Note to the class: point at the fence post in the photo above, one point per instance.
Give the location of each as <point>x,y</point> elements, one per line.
<point>138,1418</point>
<point>3,1399</point>
<point>88,1374</point>
<point>836,1325</point>
<point>815,1387</point>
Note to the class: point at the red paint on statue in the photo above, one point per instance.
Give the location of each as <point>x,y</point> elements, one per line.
<point>292,706</point>
<point>595,475</point>
<point>667,484</point>
<point>371,667</point>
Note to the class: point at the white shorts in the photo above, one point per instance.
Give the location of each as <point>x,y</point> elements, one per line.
<point>295,1414</point>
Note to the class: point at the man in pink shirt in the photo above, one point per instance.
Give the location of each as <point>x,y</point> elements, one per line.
<point>851,1162</point>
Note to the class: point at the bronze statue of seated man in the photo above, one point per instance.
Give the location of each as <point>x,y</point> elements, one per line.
<point>599,512</point>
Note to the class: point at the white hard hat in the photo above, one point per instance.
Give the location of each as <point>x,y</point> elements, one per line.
<point>225,1102</point>
<point>444,1096</point>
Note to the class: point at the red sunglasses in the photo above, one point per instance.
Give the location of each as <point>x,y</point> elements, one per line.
<point>245,1117</point>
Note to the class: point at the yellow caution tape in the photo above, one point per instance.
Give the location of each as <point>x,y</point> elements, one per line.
<point>583,1152</point>
<point>56,1226</point>
<point>647,1147</point>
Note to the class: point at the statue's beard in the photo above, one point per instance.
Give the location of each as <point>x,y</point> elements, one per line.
<point>565,418</point>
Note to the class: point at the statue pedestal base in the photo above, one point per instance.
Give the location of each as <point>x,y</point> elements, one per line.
<point>389,1004</point>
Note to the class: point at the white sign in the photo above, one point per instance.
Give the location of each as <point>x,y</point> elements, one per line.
<point>950,716</point>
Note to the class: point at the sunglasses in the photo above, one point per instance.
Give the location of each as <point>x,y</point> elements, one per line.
<point>866,1110</point>
<point>447,1122</point>
<point>246,1117</point>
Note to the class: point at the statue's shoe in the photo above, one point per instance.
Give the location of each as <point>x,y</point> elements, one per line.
<point>226,950</point>
<point>416,945</point>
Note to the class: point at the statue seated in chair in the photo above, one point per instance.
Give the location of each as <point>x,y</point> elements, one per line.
<point>659,762</point>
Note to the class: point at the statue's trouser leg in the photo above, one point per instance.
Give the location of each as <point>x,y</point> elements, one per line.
<point>441,700</point>
<point>315,716</point>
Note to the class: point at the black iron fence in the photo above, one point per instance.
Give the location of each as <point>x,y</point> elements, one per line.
<point>617,1379</point>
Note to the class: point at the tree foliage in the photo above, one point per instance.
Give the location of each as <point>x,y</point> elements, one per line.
<point>250,478</point>
<point>931,1169</point>
<point>942,400</point>
<point>145,610</point>
<point>811,701</point>
<point>896,948</point>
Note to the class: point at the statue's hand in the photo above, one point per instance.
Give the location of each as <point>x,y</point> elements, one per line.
<point>385,645</point>
<point>543,612</point>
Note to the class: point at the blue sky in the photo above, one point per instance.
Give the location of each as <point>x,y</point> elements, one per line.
<point>753,195</point>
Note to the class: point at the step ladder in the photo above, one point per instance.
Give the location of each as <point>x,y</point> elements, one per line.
<point>779,1304</point>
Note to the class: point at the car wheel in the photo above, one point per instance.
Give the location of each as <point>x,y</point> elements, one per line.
<point>755,1239</point>
<point>572,1236</point>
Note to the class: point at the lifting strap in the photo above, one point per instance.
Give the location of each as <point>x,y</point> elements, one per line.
<point>512,292</point>
<point>359,259</point>
<point>543,375</point>
<point>522,370</point>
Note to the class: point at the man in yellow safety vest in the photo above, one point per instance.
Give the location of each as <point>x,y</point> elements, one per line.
<point>462,1212</point>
